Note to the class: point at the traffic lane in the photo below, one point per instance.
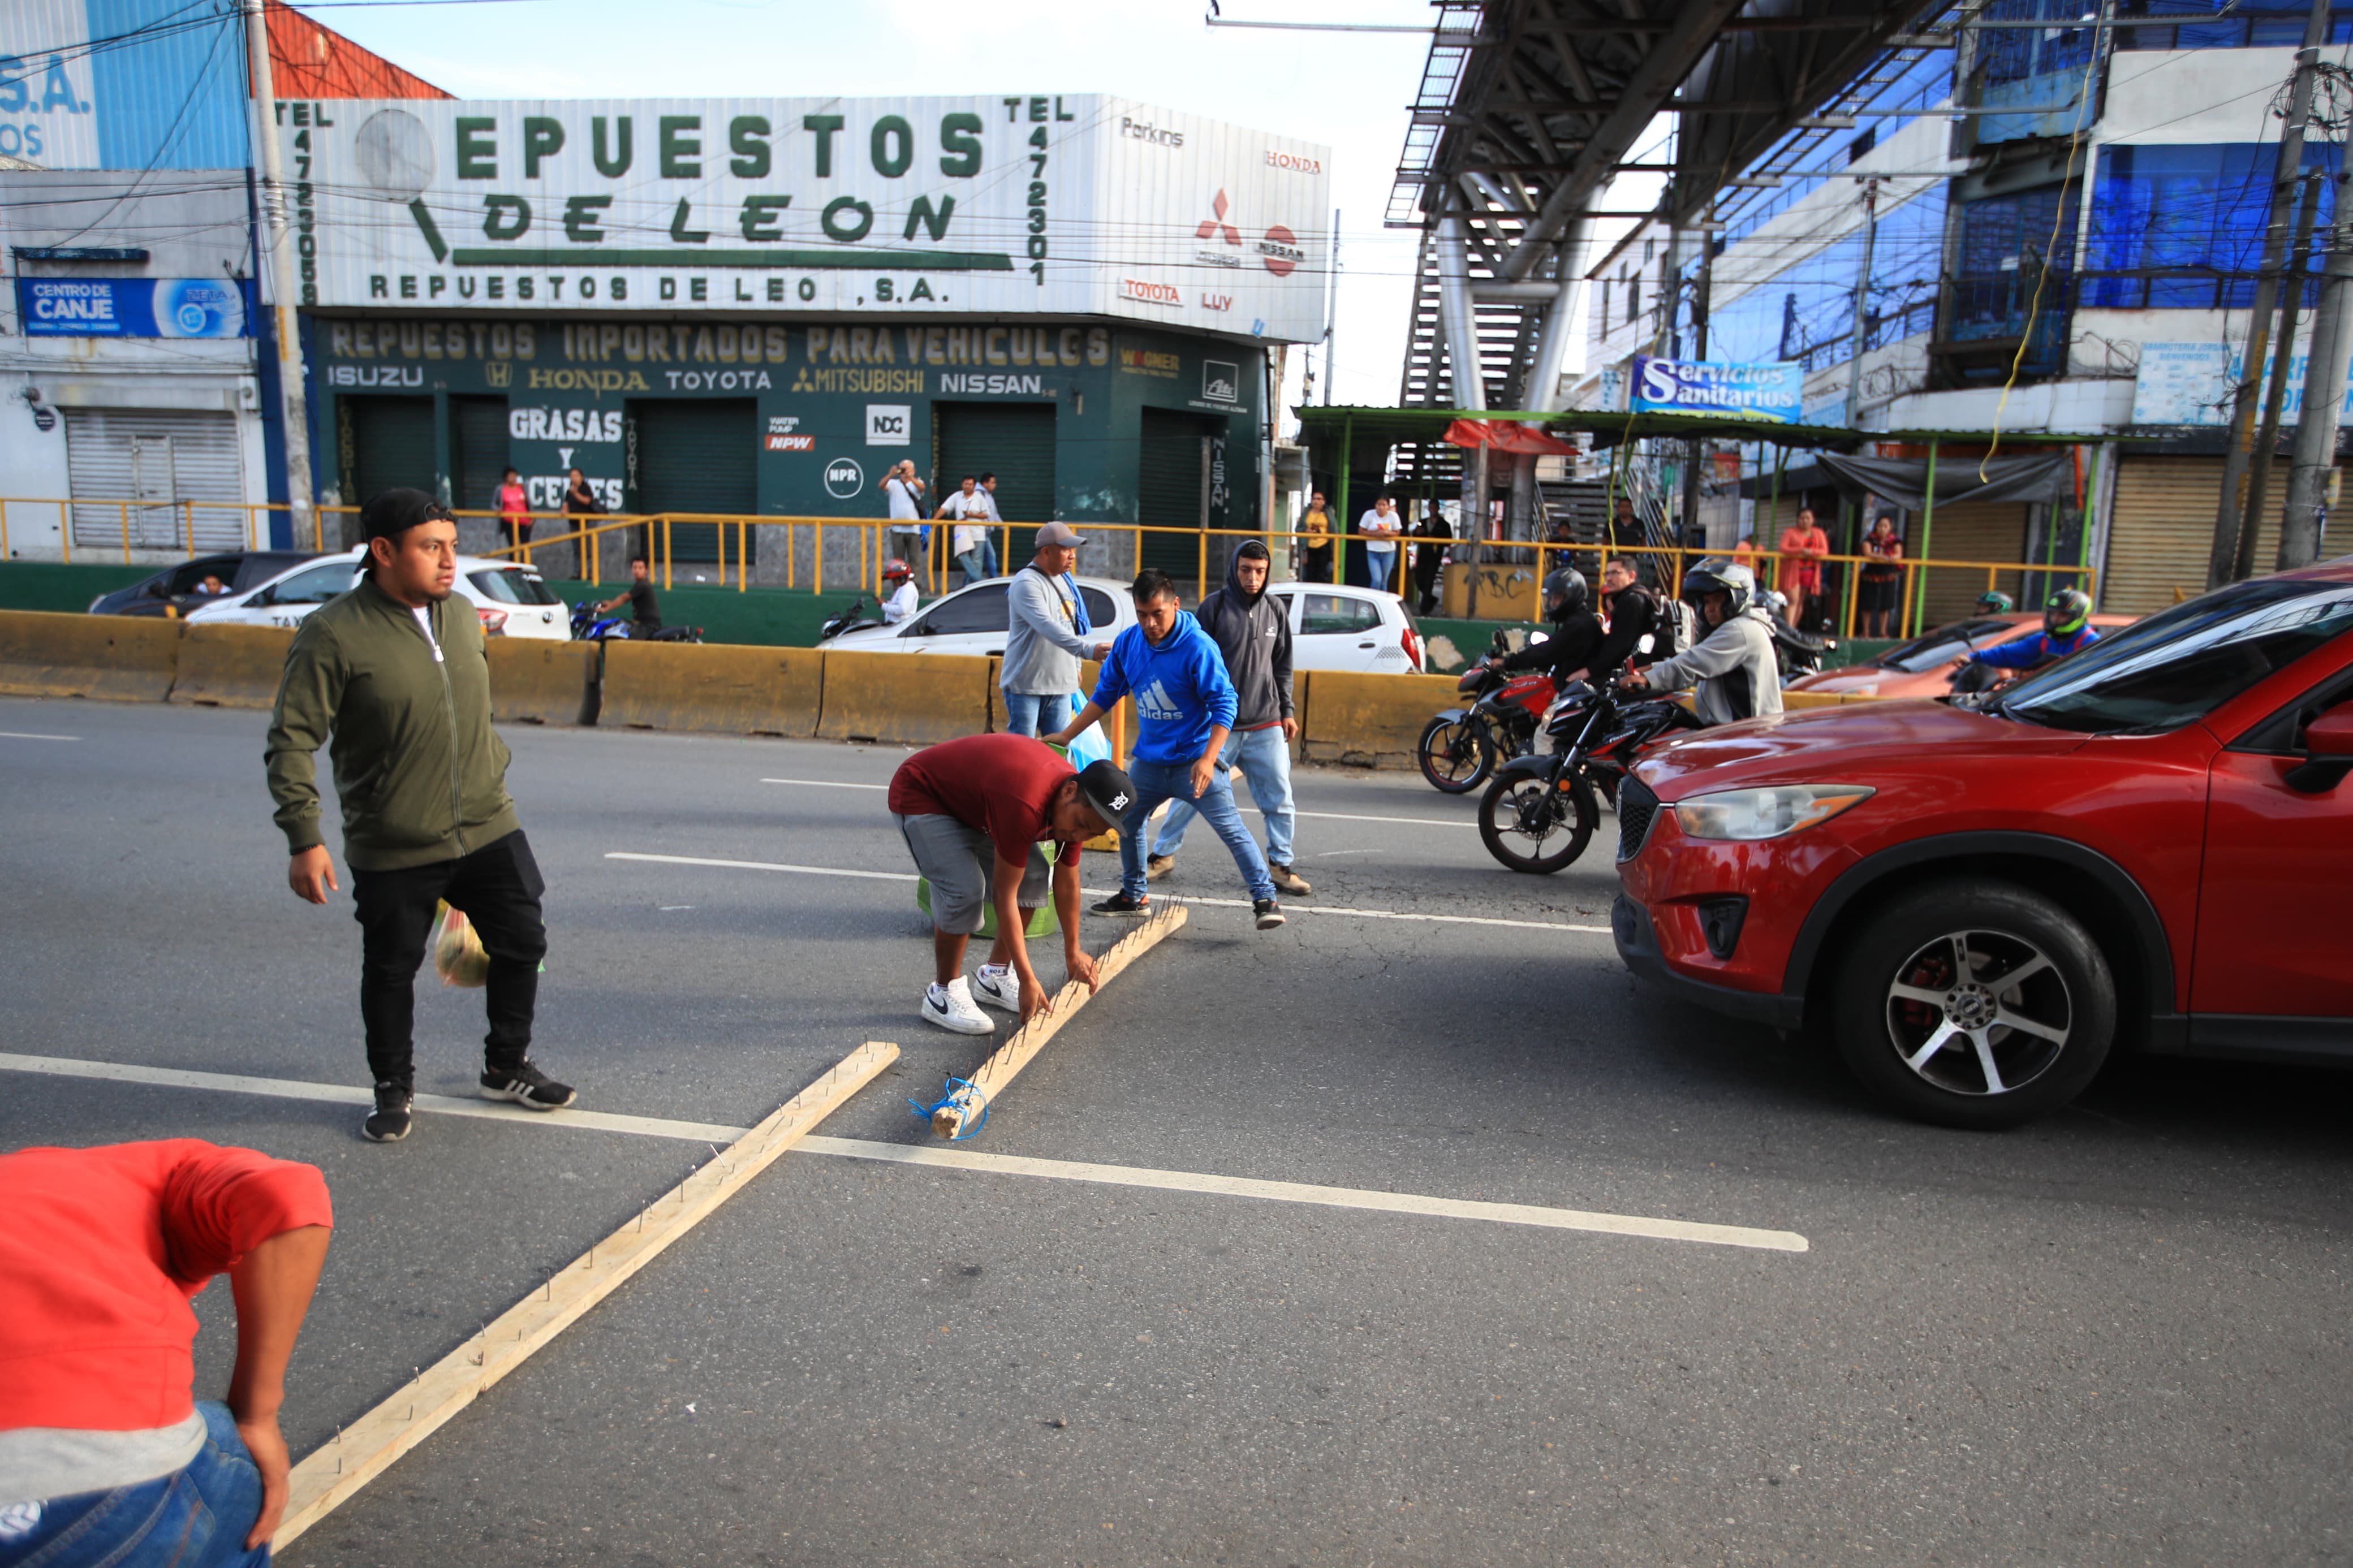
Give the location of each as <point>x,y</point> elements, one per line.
<point>434,1236</point>
<point>862,1363</point>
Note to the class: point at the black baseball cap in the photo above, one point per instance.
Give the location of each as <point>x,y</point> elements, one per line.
<point>1107,791</point>
<point>389,513</point>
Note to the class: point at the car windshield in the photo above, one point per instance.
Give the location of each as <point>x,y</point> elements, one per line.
<point>1942,646</point>
<point>510,586</point>
<point>2180,665</point>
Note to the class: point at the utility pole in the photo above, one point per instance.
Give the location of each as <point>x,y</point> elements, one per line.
<point>1691,453</point>
<point>1331,306</point>
<point>2326,365</point>
<point>296,404</point>
<point>2230,506</point>
<point>1862,303</point>
<point>2259,467</point>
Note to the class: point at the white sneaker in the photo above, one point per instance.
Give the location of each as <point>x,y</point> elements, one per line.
<point>998,987</point>
<point>950,1006</point>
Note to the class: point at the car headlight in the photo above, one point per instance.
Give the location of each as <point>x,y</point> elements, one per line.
<point>1748,815</point>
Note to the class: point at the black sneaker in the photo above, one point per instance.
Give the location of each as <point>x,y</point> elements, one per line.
<point>1268,914</point>
<point>390,1120</point>
<point>527,1087</point>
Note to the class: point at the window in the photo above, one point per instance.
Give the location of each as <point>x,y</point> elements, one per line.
<point>317,585</point>
<point>2015,256</point>
<point>980,609</point>
<point>2183,663</point>
<point>1634,298</point>
<point>1102,614</point>
<point>185,579</point>
<point>1944,644</point>
<point>2250,24</point>
<point>1335,614</point>
<point>2182,228</point>
<point>512,587</point>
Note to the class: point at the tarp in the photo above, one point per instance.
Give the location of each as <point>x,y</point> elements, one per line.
<point>1503,435</point>
<point>1903,480</point>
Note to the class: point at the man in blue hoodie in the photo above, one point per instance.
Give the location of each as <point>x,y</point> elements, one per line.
<point>1185,710</point>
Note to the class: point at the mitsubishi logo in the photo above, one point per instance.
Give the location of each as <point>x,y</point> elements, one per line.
<point>1217,224</point>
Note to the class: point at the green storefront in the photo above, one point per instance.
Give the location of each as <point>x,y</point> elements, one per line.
<point>1086,420</point>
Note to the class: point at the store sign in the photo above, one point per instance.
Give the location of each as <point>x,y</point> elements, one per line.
<point>792,443</point>
<point>131,307</point>
<point>889,424</point>
<point>1770,392</point>
<point>1221,382</point>
<point>964,205</point>
<point>2196,383</point>
<point>844,479</point>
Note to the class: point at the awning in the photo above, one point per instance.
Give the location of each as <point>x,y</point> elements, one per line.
<point>1503,436</point>
<point>1905,480</point>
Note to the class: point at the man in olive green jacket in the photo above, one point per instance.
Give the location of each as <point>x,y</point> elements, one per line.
<point>392,677</point>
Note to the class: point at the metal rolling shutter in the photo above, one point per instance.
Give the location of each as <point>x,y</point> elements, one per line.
<point>154,459</point>
<point>2161,532</point>
<point>695,456</point>
<point>480,443</point>
<point>392,446</point>
<point>1966,530</point>
<point>1014,441</point>
<point>1169,489</point>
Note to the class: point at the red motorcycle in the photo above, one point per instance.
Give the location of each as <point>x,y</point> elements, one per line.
<point>1460,748</point>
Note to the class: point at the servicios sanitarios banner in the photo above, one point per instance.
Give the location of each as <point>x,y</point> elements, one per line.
<point>1771,392</point>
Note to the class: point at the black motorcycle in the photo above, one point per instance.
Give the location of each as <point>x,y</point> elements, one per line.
<point>856,617</point>
<point>1799,653</point>
<point>1460,746</point>
<point>1540,813</point>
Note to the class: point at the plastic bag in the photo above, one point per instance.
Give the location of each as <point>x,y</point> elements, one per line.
<point>1088,747</point>
<point>457,954</point>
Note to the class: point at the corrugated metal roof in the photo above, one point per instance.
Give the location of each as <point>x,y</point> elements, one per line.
<point>312,61</point>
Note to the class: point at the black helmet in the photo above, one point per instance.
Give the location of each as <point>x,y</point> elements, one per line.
<point>1717,575</point>
<point>1993,603</point>
<point>1564,593</point>
<point>2067,613</point>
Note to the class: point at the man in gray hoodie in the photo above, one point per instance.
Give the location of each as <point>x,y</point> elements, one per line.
<point>1252,631</point>
<point>1046,634</point>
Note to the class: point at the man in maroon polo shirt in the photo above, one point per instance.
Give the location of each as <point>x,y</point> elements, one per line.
<point>974,813</point>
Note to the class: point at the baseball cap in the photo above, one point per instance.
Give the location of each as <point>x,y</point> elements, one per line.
<point>1107,790</point>
<point>1063,535</point>
<point>394,511</point>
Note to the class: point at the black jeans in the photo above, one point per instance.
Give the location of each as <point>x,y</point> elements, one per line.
<point>499,887</point>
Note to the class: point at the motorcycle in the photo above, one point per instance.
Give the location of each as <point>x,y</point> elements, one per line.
<point>1597,735</point>
<point>1799,653</point>
<point>588,625</point>
<point>856,617</point>
<point>1460,747</point>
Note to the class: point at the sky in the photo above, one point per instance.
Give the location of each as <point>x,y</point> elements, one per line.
<point>1346,91</point>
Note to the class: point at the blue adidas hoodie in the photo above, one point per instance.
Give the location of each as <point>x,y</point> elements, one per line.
<point>1180,689</point>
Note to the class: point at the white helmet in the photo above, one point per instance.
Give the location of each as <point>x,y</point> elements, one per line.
<point>1715,574</point>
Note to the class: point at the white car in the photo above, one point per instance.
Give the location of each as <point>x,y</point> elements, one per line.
<point>1332,627</point>
<point>512,599</point>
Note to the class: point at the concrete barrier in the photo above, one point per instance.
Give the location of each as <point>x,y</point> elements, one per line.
<point>1370,720</point>
<point>536,680</point>
<point>116,659</point>
<point>913,699</point>
<point>722,688</point>
<point>231,667</point>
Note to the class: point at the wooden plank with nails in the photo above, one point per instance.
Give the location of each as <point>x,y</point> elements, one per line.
<point>1002,1066</point>
<point>365,1449</point>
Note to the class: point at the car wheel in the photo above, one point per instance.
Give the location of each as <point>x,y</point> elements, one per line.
<point>1974,1002</point>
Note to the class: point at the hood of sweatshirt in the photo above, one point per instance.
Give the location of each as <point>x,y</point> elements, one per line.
<point>1243,596</point>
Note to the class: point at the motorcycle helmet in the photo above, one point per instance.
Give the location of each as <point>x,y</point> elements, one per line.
<point>2067,613</point>
<point>1717,575</point>
<point>895,570</point>
<point>1565,594</point>
<point>1992,603</point>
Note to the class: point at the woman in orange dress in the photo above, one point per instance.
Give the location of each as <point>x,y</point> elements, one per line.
<point>1803,547</point>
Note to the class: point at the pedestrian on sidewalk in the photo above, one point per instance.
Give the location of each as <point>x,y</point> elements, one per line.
<point>580,503</point>
<point>1253,633</point>
<point>1315,540</point>
<point>902,493</point>
<point>514,512</point>
<point>1429,557</point>
<point>974,813</point>
<point>1046,634</point>
<point>972,542</point>
<point>106,1458</point>
<point>1185,708</point>
<point>1380,528</point>
<point>392,677</point>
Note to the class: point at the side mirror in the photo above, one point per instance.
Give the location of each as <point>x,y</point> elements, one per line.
<point>2328,751</point>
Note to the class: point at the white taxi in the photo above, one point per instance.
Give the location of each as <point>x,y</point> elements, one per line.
<point>510,598</point>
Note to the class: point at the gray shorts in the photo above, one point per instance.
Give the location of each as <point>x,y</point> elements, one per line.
<point>960,863</point>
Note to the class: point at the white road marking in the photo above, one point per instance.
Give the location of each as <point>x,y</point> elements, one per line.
<point>955,1159</point>
<point>1323,815</point>
<point>1105,893</point>
<point>23,735</point>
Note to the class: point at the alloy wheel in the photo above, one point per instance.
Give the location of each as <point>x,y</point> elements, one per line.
<point>1979,1012</point>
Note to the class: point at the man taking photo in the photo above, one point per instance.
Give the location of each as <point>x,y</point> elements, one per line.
<point>392,676</point>
<point>1185,708</point>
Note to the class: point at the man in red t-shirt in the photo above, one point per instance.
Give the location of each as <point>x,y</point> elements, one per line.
<point>105,1456</point>
<point>973,813</point>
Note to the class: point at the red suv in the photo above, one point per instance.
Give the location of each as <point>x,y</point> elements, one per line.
<point>2150,843</point>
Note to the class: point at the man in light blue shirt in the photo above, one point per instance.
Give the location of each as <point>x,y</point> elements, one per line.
<point>1184,707</point>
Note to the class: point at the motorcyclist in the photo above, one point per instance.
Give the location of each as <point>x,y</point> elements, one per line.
<point>1635,613</point>
<point>2066,626</point>
<point>1576,635</point>
<point>1991,602</point>
<point>1732,666</point>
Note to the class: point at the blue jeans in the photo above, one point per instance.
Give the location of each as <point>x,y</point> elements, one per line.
<point>1156,781</point>
<point>1034,716</point>
<point>194,1517</point>
<point>1378,564</point>
<point>979,562</point>
<point>1264,757</point>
